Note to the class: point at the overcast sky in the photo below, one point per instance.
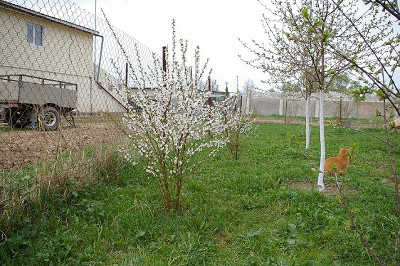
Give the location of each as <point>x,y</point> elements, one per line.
<point>214,25</point>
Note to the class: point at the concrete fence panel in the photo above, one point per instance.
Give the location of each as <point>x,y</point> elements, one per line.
<point>334,106</point>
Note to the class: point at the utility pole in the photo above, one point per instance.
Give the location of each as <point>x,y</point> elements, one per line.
<point>94,56</point>
<point>95,28</point>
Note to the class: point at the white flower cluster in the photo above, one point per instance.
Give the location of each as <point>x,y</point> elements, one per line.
<point>174,125</point>
<point>172,122</point>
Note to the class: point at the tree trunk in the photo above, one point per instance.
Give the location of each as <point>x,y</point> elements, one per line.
<point>321,186</point>
<point>248,96</point>
<point>307,122</point>
<point>286,118</point>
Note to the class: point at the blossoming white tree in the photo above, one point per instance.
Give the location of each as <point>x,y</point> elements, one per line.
<point>174,124</point>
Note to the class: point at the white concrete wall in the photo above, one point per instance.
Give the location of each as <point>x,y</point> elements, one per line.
<point>272,104</point>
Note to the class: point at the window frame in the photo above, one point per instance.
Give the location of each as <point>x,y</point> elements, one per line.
<point>32,34</point>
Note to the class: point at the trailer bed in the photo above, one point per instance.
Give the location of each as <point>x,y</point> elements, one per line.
<point>16,89</point>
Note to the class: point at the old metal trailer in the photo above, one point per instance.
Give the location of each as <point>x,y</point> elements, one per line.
<point>35,100</point>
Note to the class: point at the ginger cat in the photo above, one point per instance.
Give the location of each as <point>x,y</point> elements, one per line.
<point>339,163</point>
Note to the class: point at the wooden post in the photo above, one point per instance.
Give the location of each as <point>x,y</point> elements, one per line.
<point>126,74</point>
<point>286,119</point>
<point>20,81</point>
<point>210,90</point>
<point>209,100</point>
<point>191,73</point>
<point>164,59</point>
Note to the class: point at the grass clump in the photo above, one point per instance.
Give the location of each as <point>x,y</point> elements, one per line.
<point>27,190</point>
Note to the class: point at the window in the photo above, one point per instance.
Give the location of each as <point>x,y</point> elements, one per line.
<point>34,34</point>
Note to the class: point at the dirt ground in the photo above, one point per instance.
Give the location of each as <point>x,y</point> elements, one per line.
<point>24,147</point>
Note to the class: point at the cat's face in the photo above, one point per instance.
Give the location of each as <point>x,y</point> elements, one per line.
<point>346,151</point>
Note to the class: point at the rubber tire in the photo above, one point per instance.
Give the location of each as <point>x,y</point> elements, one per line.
<point>6,115</point>
<point>51,118</point>
<point>19,117</point>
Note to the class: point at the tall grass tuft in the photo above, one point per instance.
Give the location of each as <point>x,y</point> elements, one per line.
<point>28,188</point>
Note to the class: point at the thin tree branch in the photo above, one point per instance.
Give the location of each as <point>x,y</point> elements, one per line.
<point>367,43</point>
<point>396,183</point>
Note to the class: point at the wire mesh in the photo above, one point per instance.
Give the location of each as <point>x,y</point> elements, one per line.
<point>63,81</point>
<point>61,72</point>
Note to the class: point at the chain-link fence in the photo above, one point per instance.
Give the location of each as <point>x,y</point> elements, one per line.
<point>63,80</point>
<point>61,70</point>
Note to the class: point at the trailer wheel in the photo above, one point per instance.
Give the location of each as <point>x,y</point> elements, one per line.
<point>7,115</point>
<point>16,117</point>
<point>51,118</point>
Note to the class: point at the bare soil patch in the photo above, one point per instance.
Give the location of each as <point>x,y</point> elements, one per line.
<point>387,181</point>
<point>25,147</point>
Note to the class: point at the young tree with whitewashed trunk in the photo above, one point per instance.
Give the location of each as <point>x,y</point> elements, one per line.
<point>305,86</point>
<point>170,127</point>
<point>329,28</point>
<point>301,34</point>
<point>248,89</point>
<point>308,88</point>
<point>287,61</point>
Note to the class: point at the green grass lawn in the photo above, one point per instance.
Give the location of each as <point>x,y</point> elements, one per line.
<point>235,212</point>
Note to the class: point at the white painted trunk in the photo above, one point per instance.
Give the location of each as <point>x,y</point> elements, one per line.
<point>307,122</point>
<point>321,185</point>
<point>248,97</point>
